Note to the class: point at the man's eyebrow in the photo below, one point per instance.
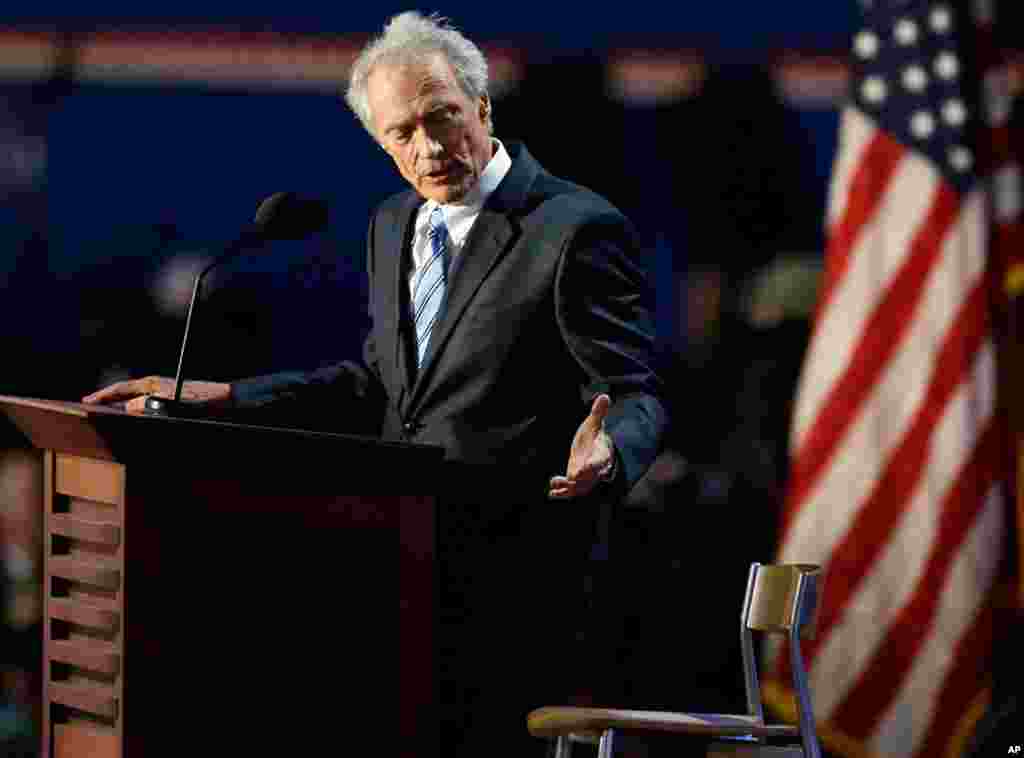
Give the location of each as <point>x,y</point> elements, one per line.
<point>406,123</point>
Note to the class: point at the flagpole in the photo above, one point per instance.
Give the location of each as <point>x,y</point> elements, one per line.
<point>1013,401</point>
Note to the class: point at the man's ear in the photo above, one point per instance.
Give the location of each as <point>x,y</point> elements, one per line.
<point>485,107</point>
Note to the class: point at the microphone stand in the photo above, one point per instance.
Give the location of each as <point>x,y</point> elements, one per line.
<point>283,215</point>
<point>176,407</point>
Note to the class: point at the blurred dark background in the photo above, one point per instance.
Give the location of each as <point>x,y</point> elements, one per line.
<point>135,140</point>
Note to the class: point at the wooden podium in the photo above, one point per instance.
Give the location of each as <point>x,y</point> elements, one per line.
<point>263,566</point>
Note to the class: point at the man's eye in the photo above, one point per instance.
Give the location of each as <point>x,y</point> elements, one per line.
<point>403,136</point>
<point>444,116</point>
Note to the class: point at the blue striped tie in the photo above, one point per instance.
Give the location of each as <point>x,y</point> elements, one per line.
<point>428,291</point>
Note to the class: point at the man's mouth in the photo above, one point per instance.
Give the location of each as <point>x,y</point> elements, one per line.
<point>441,173</point>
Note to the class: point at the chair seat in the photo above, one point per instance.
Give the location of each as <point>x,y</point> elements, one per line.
<point>591,722</point>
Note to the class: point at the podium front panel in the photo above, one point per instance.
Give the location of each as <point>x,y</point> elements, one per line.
<point>215,588</point>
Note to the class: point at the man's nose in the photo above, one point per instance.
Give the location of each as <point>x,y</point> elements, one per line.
<point>430,146</point>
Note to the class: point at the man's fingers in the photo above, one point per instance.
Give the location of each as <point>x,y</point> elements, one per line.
<point>560,487</point>
<point>561,492</point>
<point>114,391</point>
<point>136,404</point>
<point>130,389</point>
<point>564,488</point>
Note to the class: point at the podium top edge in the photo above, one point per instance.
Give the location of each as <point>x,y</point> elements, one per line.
<point>114,414</point>
<point>58,406</point>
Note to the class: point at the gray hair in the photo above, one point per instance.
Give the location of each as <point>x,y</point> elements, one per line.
<point>408,38</point>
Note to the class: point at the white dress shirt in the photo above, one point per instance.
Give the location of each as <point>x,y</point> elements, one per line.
<point>460,216</point>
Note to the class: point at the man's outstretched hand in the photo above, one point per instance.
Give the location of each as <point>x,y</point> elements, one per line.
<point>133,392</point>
<point>591,455</point>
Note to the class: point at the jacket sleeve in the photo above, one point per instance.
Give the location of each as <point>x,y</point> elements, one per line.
<point>605,314</point>
<point>345,396</point>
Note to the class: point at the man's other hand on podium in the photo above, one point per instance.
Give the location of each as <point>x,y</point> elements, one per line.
<point>132,393</point>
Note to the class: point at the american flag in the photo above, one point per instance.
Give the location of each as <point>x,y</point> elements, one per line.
<point>899,454</point>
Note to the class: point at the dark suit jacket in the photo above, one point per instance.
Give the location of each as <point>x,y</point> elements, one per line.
<point>546,307</point>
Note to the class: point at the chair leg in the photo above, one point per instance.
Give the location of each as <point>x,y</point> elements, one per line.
<point>606,746</point>
<point>563,747</point>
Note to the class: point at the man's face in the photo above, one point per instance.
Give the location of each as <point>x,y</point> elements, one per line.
<point>436,135</point>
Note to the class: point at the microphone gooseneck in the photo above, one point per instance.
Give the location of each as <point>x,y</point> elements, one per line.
<point>281,216</point>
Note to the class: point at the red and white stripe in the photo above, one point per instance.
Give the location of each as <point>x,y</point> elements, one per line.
<point>897,451</point>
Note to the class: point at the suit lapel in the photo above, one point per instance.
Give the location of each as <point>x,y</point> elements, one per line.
<point>397,238</point>
<point>492,234</point>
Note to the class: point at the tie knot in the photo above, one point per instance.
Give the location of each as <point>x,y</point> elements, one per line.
<point>435,223</point>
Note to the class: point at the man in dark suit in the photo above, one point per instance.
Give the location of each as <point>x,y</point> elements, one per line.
<point>507,307</point>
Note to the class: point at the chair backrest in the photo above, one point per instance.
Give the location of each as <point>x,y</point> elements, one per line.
<point>782,599</point>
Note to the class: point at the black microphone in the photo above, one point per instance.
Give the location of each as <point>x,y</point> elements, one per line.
<point>282,216</point>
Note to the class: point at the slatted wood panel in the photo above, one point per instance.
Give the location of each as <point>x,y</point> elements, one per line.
<point>96,699</point>
<point>86,739</point>
<point>83,613</point>
<point>103,533</point>
<point>85,653</point>
<point>89,479</point>
<point>84,606</point>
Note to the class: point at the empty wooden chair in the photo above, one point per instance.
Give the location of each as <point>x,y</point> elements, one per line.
<point>780,600</point>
